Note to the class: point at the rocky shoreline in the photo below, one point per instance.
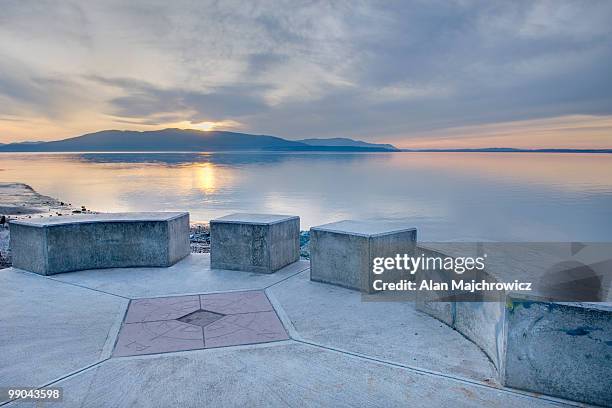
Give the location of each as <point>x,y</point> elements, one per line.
<point>19,201</point>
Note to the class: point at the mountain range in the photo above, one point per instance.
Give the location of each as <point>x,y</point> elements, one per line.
<point>189,140</point>
<point>341,141</point>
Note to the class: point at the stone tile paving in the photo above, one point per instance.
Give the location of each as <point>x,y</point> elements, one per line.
<point>245,328</point>
<point>179,323</point>
<point>158,337</point>
<point>168,308</point>
<point>236,302</point>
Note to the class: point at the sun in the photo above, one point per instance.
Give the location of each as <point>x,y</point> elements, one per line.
<point>210,125</point>
<point>206,126</point>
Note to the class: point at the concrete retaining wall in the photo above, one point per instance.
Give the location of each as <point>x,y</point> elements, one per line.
<point>561,349</point>
<point>558,349</point>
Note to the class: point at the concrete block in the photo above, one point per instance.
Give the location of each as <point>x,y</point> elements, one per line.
<point>54,245</point>
<point>342,253</point>
<point>262,243</point>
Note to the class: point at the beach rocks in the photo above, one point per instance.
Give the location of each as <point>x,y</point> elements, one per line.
<point>5,255</point>
<point>305,244</point>
<point>199,238</point>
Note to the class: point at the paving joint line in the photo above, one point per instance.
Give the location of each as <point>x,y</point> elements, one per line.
<point>519,393</point>
<point>288,277</point>
<point>109,346</point>
<point>62,378</point>
<point>67,283</point>
<point>213,292</point>
<point>525,394</point>
<point>298,339</point>
<point>86,287</point>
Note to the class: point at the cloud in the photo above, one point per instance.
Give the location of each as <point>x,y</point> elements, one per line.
<point>143,100</point>
<point>398,71</point>
<point>571,131</point>
<point>28,92</point>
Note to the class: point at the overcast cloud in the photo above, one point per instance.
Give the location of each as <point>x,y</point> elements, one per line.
<point>404,72</point>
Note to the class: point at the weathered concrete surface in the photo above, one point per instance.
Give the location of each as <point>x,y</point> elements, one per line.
<point>49,246</point>
<point>191,275</point>
<point>483,323</point>
<point>560,349</point>
<point>49,329</point>
<point>262,243</point>
<point>342,253</point>
<point>393,331</point>
<point>346,353</point>
<point>563,350</point>
<point>281,375</point>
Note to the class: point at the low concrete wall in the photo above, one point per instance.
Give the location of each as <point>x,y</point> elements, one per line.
<point>561,349</point>
<point>62,244</point>
<point>558,349</point>
<point>481,322</point>
<point>261,243</point>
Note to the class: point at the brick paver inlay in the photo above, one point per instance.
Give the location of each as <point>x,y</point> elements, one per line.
<point>180,323</point>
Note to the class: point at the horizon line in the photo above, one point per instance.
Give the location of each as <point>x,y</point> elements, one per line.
<point>400,149</point>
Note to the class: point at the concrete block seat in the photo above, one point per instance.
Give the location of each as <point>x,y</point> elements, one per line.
<point>563,349</point>
<point>262,243</point>
<point>54,245</point>
<point>342,253</point>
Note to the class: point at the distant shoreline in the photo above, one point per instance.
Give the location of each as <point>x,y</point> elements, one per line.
<point>173,140</point>
<point>506,150</point>
<point>483,150</point>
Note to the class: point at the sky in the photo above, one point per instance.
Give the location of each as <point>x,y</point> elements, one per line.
<point>417,74</point>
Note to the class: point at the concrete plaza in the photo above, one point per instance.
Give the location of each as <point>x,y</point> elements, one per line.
<point>333,349</point>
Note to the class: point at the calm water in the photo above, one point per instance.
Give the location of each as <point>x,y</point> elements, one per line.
<point>448,196</point>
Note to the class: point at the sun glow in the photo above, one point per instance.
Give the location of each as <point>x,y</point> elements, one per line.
<point>206,178</point>
<point>569,131</point>
<point>206,126</point>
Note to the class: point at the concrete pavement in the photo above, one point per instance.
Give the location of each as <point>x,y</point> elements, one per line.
<point>61,331</point>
